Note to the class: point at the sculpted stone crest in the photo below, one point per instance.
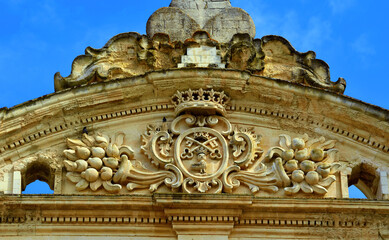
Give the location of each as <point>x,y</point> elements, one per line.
<point>199,34</point>
<point>184,17</point>
<point>201,151</point>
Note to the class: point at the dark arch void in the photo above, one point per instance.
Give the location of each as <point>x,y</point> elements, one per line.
<point>38,179</point>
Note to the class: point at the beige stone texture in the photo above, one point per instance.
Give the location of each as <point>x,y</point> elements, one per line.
<point>202,56</point>
<point>150,138</point>
<point>266,116</point>
<point>130,54</point>
<point>184,17</point>
<point>178,216</point>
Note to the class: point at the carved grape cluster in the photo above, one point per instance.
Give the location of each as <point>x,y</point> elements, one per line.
<point>308,165</point>
<point>94,161</point>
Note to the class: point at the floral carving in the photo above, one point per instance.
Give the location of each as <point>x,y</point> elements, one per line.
<point>200,151</point>
<point>308,163</point>
<point>100,161</point>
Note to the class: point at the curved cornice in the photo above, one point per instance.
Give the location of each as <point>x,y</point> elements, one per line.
<point>45,116</point>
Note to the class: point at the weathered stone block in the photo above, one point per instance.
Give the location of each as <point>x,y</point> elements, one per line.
<point>200,15</point>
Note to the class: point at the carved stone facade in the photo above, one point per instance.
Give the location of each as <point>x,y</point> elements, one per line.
<point>130,54</point>
<point>201,152</point>
<point>195,134</point>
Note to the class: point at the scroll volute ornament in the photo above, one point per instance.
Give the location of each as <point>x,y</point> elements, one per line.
<point>101,161</point>
<point>202,143</point>
<point>200,151</point>
<point>202,148</point>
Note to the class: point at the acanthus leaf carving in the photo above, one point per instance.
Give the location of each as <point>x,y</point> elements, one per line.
<point>245,146</point>
<point>157,137</point>
<point>131,54</point>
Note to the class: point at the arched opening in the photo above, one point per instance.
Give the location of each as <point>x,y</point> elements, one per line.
<point>363,181</point>
<point>355,192</point>
<point>38,179</point>
<point>38,187</point>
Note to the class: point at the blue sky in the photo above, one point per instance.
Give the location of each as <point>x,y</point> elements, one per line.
<point>41,37</point>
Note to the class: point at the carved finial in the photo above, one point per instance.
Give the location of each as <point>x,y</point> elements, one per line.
<point>184,17</point>
<point>201,10</point>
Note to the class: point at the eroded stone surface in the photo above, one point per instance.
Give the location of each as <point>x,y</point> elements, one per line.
<point>199,33</point>
<point>130,54</point>
<point>146,156</point>
<point>184,17</point>
<point>203,56</point>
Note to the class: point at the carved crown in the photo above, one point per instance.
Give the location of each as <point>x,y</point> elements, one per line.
<point>204,102</point>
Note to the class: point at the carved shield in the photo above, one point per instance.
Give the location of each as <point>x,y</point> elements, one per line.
<point>201,153</point>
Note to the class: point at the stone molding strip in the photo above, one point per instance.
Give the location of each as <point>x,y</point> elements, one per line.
<point>164,107</point>
<point>302,223</point>
<point>65,126</point>
<point>104,220</point>
<point>277,114</point>
<point>156,79</point>
<point>144,220</point>
<point>244,214</point>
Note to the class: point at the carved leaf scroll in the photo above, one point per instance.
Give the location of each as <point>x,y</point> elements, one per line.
<point>201,152</point>
<point>245,146</point>
<point>131,54</point>
<point>204,148</point>
<point>102,162</point>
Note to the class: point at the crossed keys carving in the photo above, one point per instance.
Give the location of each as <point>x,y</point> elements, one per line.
<point>201,148</point>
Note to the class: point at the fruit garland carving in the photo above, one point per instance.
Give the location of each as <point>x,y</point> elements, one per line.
<point>309,164</point>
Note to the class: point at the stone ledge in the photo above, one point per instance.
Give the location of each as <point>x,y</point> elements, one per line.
<point>140,216</point>
<point>189,201</point>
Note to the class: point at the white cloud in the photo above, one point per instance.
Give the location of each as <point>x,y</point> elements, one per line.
<point>304,33</point>
<point>339,6</point>
<point>316,33</point>
<point>363,46</point>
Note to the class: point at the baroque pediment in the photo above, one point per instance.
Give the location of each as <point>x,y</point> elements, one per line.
<point>142,123</point>
<point>201,151</point>
<point>195,131</point>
